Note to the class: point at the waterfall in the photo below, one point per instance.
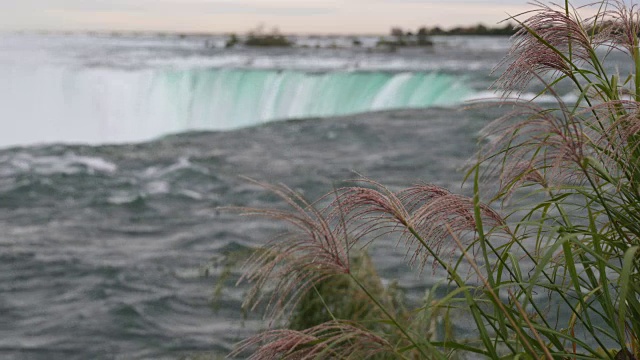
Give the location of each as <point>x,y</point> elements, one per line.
<point>104,105</point>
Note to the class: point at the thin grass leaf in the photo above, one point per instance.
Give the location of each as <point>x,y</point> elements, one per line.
<point>629,262</point>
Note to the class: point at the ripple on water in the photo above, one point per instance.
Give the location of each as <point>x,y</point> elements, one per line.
<point>116,252</point>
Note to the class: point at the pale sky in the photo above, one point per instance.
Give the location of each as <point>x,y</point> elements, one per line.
<point>223,16</point>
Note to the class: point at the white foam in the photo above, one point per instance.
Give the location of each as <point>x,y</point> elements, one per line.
<point>490,96</point>
<point>66,164</point>
<point>191,194</point>
<point>144,52</point>
<point>157,188</point>
<point>96,164</point>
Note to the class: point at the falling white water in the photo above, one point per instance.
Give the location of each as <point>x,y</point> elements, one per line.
<point>50,103</point>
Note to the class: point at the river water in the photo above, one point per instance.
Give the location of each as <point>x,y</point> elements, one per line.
<point>116,153</point>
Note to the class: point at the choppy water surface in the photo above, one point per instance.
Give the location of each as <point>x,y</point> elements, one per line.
<point>113,164</point>
<point>103,248</point>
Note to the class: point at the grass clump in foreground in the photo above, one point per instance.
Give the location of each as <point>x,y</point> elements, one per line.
<point>559,280</point>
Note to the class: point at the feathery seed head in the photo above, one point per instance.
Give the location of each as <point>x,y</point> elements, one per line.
<point>622,26</point>
<point>548,41</point>
<point>331,340</point>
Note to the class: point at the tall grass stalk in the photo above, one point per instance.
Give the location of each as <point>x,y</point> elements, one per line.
<point>561,281</point>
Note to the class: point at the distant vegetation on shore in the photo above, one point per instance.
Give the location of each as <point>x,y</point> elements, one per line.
<point>402,38</point>
<point>258,37</point>
<point>506,30</point>
<point>398,37</point>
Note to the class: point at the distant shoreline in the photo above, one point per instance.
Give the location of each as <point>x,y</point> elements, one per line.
<point>477,30</point>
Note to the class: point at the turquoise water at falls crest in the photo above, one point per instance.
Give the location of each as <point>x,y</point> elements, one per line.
<point>233,98</point>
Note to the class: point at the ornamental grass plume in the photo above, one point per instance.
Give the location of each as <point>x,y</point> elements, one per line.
<point>557,279</point>
<point>623,30</point>
<point>311,251</point>
<point>619,136</point>
<point>532,144</point>
<point>331,340</point>
<point>424,215</point>
<point>318,243</point>
<point>548,41</point>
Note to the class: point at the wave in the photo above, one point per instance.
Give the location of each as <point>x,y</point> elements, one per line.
<point>495,96</point>
<point>101,105</point>
<point>13,164</point>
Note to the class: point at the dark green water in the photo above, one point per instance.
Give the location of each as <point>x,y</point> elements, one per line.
<point>103,249</point>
